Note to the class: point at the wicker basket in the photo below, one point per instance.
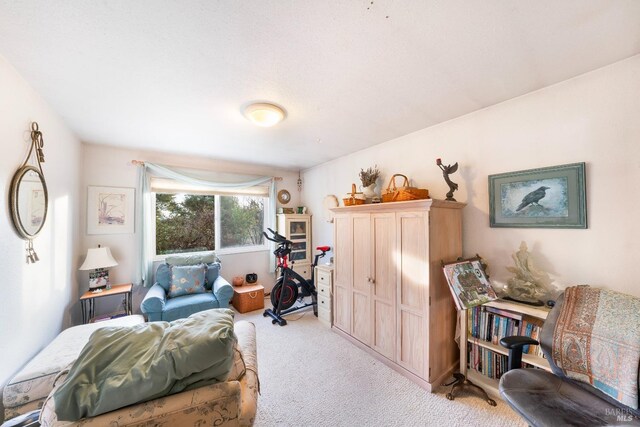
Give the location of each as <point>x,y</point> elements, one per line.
<point>404,192</point>
<point>353,198</point>
<point>248,298</point>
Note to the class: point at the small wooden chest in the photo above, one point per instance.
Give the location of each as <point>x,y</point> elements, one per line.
<point>248,297</point>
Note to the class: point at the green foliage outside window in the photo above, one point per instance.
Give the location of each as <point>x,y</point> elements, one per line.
<point>241,222</point>
<point>186,222</point>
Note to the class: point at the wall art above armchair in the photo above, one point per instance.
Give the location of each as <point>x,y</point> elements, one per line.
<point>110,210</point>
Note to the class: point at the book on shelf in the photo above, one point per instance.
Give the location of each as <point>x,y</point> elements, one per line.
<point>468,283</point>
<point>491,325</point>
<point>488,362</point>
<point>504,313</point>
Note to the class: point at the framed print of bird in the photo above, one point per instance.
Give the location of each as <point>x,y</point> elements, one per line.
<point>550,197</point>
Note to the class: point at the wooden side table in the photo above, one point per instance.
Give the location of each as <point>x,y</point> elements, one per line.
<point>87,300</point>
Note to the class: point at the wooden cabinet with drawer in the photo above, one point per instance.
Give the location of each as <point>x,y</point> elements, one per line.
<point>324,285</point>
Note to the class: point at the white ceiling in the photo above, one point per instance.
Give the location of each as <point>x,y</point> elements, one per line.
<point>173,75</point>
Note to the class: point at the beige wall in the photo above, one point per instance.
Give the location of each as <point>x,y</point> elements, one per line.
<point>591,118</point>
<point>110,166</point>
<point>594,118</point>
<point>37,300</point>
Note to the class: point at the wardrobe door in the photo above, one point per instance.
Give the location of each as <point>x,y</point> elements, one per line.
<point>361,291</point>
<point>343,253</point>
<point>383,283</point>
<point>413,291</point>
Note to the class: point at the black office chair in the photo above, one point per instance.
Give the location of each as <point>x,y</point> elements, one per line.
<point>552,399</point>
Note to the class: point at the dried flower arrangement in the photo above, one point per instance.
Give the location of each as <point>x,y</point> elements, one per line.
<point>369,176</point>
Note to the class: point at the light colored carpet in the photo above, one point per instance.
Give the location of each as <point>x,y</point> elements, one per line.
<point>310,376</point>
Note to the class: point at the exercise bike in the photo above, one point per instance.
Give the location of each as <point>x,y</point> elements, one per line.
<point>290,286</point>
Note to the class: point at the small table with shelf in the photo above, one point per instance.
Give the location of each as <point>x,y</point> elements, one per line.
<point>490,385</point>
<point>87,300</point>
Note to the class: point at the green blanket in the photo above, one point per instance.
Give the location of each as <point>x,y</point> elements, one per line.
<point>121,366</point>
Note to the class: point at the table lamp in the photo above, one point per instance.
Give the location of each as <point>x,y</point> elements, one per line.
<point>98,259</point>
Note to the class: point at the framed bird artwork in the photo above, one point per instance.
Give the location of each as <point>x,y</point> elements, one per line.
<point>551,197</point>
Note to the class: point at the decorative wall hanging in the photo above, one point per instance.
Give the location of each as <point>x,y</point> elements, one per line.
<point>552,197</point>
<point>110,210</point>
<point>284,197</point>
<point>28,196</point>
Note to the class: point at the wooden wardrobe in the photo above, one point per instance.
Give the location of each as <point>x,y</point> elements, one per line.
<point>390,296</point>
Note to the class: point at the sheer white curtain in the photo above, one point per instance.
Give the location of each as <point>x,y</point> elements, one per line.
<point>146,222</point>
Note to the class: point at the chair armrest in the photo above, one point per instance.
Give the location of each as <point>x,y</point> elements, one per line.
<point>223,291</point>
<point>515,344</point>
<point>154,301</point>
<point>517,341</point>
<point>249,383</point>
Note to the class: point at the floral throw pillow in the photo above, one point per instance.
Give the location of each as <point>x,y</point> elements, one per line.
<point>187,279</point>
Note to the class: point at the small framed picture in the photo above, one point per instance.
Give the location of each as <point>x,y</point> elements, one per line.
<point>110,210</point>
<point>551,197</point>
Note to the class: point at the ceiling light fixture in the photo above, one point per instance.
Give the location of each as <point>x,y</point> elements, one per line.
<point>264,114</point>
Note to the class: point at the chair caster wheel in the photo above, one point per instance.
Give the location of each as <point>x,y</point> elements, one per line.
<point>450,396</point>
<point>273,322</point>
<point>491,402</point>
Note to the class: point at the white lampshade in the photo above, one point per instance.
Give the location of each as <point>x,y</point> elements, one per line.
<point>264,114</point>
<point>98,258</point>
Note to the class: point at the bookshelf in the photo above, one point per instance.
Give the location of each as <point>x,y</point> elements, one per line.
<point>487,358</point>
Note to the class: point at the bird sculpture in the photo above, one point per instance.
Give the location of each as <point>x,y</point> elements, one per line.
<point>533,197</point>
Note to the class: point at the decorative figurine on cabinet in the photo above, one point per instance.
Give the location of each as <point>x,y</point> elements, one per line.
<point>446,171</point>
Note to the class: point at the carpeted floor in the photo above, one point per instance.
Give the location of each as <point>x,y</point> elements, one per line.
<point>310,376</point>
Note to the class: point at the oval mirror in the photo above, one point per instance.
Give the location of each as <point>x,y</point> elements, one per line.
<point>28,201</point>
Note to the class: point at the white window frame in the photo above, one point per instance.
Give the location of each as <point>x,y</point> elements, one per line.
<point>217,250</point>
<point>240,249</point>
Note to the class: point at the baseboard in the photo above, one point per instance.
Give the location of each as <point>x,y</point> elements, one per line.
<point>430,387</point>
<point>446,375</point>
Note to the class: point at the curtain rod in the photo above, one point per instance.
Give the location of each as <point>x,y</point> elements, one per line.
<point>141,163</point>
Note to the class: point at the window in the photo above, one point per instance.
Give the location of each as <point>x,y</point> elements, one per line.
<point>187,222</point>
<point>241,221</point>
<point>184,223</point>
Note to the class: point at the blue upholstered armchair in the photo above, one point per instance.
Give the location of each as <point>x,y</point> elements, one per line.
<point>185,285</point>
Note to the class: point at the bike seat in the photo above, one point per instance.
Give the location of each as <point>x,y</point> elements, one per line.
<point>324,248</point>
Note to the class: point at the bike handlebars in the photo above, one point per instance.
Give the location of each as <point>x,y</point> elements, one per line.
<point>276,237</point>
